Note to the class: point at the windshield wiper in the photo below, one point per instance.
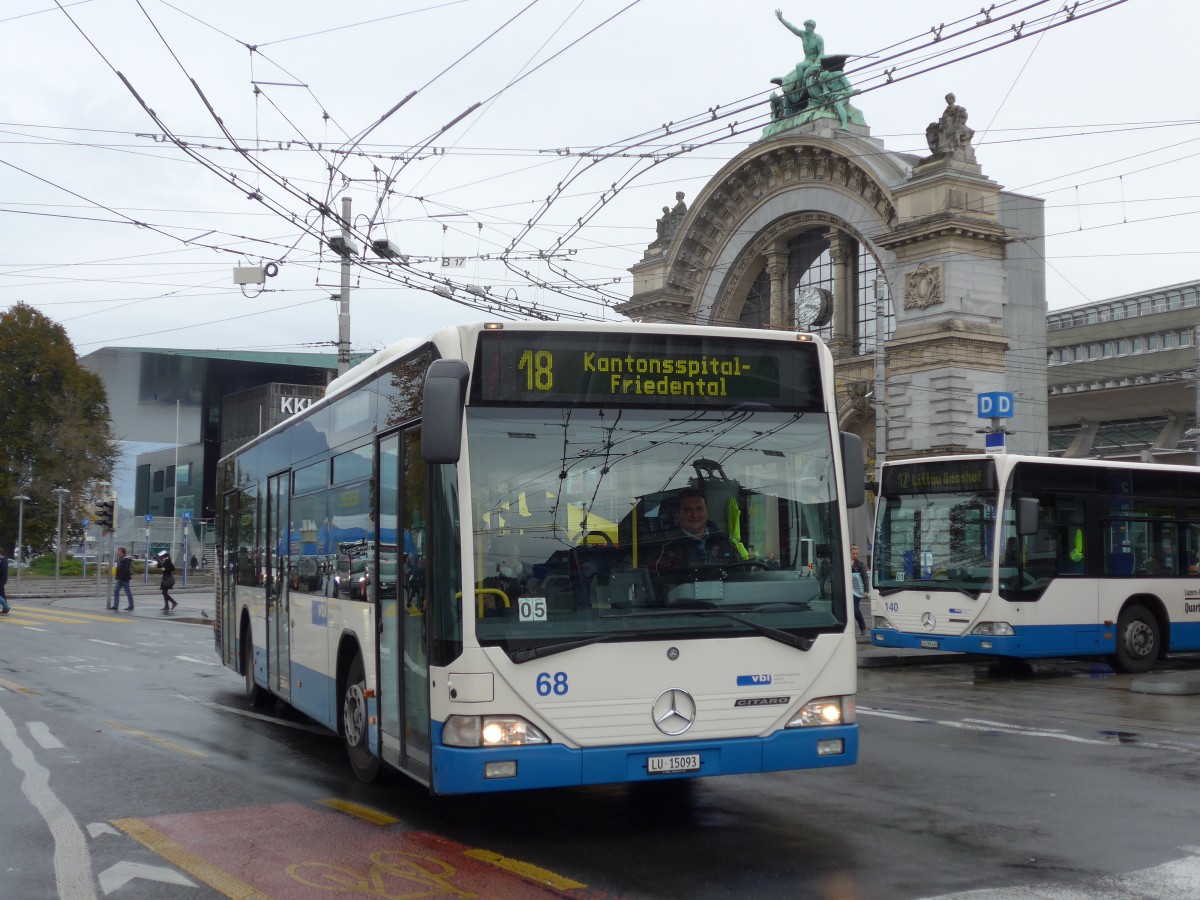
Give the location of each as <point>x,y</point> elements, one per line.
<point>531,653</point>
<point>924,585</point>
<point>800,643</point>
<point>775,634</point>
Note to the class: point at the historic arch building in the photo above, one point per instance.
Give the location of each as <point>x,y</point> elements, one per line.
<point>807,228</point>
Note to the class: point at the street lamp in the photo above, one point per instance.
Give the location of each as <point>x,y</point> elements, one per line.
<point>20,498</point>
<point>58,542</point>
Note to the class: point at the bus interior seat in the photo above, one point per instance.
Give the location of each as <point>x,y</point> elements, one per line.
<point>1121,563</point>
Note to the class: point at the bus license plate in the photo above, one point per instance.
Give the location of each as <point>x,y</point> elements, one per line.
<point>929,645</point>
<point>665,765</point>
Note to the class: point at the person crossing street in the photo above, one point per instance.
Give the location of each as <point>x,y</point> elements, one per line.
<point>3,582</point>
<point>123,576</point>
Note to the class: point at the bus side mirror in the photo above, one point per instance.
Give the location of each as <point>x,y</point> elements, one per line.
<point>442,403</point>
<point>853,462</point>
<point>1027,515</point>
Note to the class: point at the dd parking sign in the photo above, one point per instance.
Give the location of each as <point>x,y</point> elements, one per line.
<point>995,405</point>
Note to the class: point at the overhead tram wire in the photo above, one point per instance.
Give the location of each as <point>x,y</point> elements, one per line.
<point>734,131</point>
<point>389,179</point>
<point>292,216</point>
<point>358,138</point>
<point>487,100</point>
<point>426,282</point>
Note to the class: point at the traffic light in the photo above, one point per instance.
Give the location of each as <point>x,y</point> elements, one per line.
<point>105,513</point>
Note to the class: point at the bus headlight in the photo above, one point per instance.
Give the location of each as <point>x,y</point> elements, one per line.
<point>882,622</point>
<point>825,711</point>
<point>995,629</point>
<point>490,731</point>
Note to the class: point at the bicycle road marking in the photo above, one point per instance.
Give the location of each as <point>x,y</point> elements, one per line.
<point>309,853</point>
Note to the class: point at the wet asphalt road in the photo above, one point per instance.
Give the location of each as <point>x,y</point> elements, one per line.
<point>131,767</point>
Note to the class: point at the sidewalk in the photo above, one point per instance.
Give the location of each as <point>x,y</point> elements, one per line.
<point>197,602</point>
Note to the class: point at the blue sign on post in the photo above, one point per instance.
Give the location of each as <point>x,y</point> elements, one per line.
<point>995,405</point>
<point>993,442</point>
<point>149,518</point>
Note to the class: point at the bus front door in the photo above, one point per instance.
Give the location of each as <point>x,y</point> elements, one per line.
<point>403,655</point>
<point>279,677</point>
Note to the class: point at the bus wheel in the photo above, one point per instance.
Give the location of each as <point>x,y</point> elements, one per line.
<point>1137,639</point>
<point>354,724</point>
<point>256,695</point>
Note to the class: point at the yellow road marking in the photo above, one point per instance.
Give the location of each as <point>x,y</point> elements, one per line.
<point>195,865</point>
<point>70,617</point>
<point>526,870</point>
<point>161,742</point>
<point>373,816</point>
<point>18,688</point>
<point>46,616</point>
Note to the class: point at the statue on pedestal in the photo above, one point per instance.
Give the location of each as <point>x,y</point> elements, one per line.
<point>949,137</point>
<point>815,88</point>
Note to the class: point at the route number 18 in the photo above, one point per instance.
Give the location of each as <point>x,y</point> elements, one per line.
<point>538,368</point>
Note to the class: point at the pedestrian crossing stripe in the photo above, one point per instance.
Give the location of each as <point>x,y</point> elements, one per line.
<point>42,615</point>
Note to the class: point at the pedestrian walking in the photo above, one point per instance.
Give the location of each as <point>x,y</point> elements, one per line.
<point>859,587</point>
<point>123,576</point>
<point>3,582</point>
<point>168,580</point>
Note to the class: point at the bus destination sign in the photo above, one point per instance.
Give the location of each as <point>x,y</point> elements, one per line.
<point>644,370</point>
<point>950,477</point>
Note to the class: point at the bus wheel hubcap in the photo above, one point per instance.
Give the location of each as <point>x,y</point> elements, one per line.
<point>1140,640</point>
<point>355,715</point>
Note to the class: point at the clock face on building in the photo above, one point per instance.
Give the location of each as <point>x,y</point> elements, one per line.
<point>813,306</point>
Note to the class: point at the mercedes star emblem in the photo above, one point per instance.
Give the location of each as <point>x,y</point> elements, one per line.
<point>673,711</point>
<point>928,622</point>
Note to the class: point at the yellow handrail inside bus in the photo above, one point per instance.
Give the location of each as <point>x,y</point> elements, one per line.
<point>479,599</point>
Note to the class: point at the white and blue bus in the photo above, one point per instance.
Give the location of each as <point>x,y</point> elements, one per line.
<point>1031,557</point>
<point>463,558</point>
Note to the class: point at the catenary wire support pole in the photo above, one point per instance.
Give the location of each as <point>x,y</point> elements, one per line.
<point>1196,385</point>
<point>60,491</point>
<point>21,499</point>
<point>344,297</point>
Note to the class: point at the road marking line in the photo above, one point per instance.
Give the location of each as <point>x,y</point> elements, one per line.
<point>49,614</point>
<point>199,662</point>
<point>17,688</point>
<point>299,726</point>
<point>41,734</point>
<point>195,865</point>
<point>158,741</point>
<point>31,628</point>
<point>109,643</point>
<point>971,725</point>
<point>72,861</point>
<point>374,816</point>
<point>526,870</point>
<point>985,727</point>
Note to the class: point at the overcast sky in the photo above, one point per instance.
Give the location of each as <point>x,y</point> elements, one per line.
<point>128,239</point>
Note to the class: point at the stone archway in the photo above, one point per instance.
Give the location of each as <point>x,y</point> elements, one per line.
<point>961,259</point>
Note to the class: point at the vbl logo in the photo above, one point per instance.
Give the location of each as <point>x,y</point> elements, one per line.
<point>745,680</point>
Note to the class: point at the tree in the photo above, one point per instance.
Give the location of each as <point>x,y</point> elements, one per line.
<point>54,429</point>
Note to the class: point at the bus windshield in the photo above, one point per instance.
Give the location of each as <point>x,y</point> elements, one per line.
<point>936,527</point>
<point>625,524</point>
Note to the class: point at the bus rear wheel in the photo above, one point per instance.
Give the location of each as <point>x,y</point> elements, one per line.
<point>1137,639</point>
<point>254,694</point>
<point>355,718</point>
